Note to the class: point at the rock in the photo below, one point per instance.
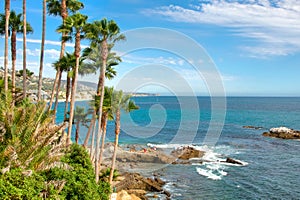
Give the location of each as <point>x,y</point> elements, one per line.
<point>159,181</point>
<point>181,162</point>
<point>123,195</point>
<point>148,157</point>
<point>281,130</point>
<point>187,153</point>
<point>136,182</point>
<point>138,193</point>
<point>168,194</point>
<point>253,127</point>
<point>230,160</point>
<point>283,133</point>
<point>186,162</point>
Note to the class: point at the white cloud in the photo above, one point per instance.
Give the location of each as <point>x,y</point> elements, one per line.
<point>49,53</point>
<point>133,59</point>
<point>275,25</point>
<point>48,42</point>
<point>52,53</point>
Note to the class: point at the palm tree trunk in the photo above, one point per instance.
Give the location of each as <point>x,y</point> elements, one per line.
<point>54,88</point>
<point>117,132</point>
<point>102,83</point>
<point>24,48</point>
<point>104,123</point>
<point>67,96</point>
<point>64,15</point>
<point>86,140</point>
<point>7,14</point>
<point>77,132</point>
<point>92,145</point>
<point>56,99</point>
<point>73,93</point>
<point>13,60</point>
<point>93,118</point>
<point>42,51</point>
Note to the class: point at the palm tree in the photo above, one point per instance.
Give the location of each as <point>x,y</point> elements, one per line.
<point>24,49</point>
<point>7,13</point>
<point>80,117</point>
<point>62,8</point>
<point>102,32</point>
<point>15,27</point>
<point>94,62</point>
<point>65,64</point>
<point>73,27</point>
<point>42,51</point>
<point>106,115</point>
<point>29,73</point>
<point>119,101</point>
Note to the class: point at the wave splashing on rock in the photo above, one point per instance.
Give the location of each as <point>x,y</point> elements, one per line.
<point>283,133</point>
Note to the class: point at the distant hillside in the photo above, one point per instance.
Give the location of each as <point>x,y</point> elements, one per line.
<point>85,89</point>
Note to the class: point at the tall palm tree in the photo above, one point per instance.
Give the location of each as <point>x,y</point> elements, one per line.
<point>65,64</point>
<point>102,32</point>
<point>120,102</point>
<point>80,117</point>
<point>61,8</point>
<point>24,49</point>
<point>42,50</point>
<point>74,27</point>
<point>107,114</point>
<point>94,62</point>
<point>15,27</point>
<point>7,13</point>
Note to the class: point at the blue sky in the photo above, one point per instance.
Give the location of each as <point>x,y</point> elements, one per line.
<point>254,44</point>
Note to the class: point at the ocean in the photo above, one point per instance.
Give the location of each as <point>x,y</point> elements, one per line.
<point>271,166</point>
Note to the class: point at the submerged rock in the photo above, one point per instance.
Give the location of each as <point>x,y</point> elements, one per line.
<point>253,127</point>
<point>283,133</point>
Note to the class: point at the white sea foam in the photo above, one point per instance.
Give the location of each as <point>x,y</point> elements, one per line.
<point>166,146</point>
<point>214,159</point>
<point>208,173</point>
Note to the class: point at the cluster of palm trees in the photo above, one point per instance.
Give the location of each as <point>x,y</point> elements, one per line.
<point>102,34</point>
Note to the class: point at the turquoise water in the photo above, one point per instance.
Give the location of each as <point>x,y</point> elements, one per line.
<point>272,165</point>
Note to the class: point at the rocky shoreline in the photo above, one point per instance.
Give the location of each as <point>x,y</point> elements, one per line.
<point>138,167</point>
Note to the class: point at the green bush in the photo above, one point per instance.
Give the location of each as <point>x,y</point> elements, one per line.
<point>15,185</point>
<point>80,179</point>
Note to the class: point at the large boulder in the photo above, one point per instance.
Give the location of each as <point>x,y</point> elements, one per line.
<point>138,185</point>
<point>186,153</point>
<point>134,181</point>
<point>123,195</point>
<point>283,133</point>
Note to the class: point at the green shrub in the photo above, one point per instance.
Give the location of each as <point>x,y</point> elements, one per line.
<point>80,180</point>
<point>15,185</point>
<point>105,174</point>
